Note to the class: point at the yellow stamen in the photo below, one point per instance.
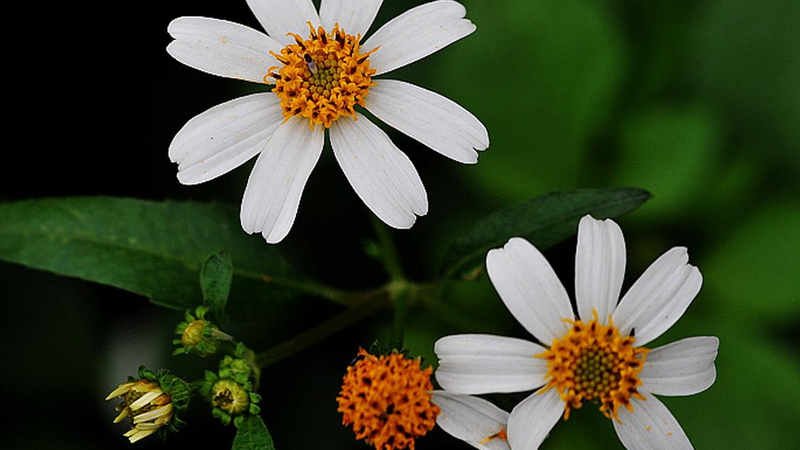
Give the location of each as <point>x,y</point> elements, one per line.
<point>387,400</point>
<point>322,78</point>
<point>593,362</point>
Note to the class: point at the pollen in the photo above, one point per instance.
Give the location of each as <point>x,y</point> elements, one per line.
<point>323,77</point>
<point>387,400</point>
<point>594,363</point>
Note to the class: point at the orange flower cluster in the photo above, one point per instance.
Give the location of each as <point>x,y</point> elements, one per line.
<point>323,77</point>
<point>592,362</point>
<point>387,400</point>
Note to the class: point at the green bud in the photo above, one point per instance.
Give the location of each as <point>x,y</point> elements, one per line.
<point>198,335</point>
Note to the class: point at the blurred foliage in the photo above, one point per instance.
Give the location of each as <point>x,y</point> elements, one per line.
<point>697,102</point>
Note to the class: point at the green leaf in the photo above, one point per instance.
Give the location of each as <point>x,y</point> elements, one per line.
<point>252,434</point>
<point>215,282</point>
<point>543,221</point>
<point>155,249</point>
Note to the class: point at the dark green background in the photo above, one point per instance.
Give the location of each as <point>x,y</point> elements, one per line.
<point>696,101</point>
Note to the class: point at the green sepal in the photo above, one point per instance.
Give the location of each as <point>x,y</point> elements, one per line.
<point>179,391</point>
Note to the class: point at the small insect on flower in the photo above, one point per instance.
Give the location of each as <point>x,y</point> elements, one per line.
<point>151,402</point>
<point>387,400</point>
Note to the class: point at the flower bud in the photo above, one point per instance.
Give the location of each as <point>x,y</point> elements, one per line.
<point>198,335</point>
<point>151,402</point>
<point>230,391</point>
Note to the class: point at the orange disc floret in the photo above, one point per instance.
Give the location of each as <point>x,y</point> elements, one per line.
<point>593,362</point>
<point>323,77</point>
<point>387,400</point>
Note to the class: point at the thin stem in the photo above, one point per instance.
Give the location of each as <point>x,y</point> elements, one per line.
<point>317,289</point>
<point>370,304</point>
<point>403,295</point>
<point>454,316</point>
<point>389,257</point>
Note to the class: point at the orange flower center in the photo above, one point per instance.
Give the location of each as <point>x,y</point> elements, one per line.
<point>386,398</point>
<point>323,77</point>
<point>592,362</point>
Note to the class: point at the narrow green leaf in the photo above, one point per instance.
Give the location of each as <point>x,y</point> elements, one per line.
<point>215,282</point>
<point>155,249</point>
<point>544,221</point>
<point>252,434</point>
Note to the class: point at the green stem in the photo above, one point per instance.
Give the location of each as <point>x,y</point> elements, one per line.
<point>367,306</point>
<point>402,295</point>
<point>453,316</point>
<point>317,289</point>
<point>389,256</point>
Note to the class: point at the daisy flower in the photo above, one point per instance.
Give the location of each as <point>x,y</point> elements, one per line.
<point>321,69</point>
<point>596,356</point>
<point>476,421</point>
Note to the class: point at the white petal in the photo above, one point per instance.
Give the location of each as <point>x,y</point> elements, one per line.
<point>471,419</point>
<point>138,435</point>
<point>599,267</point>
<point>224,137</point>
<point>353,16</point>
<point>122,389</point>
<point>153,414</point>
<point>530,289</point>
<point>222,48</point>
<point>417,33</point>
<point>145,399</point>
<point>650,426</point>
<point>659,297</point>
<point>532,419</point>
<point>382,175</point>
<point>279,17</point>
<point>482,364</point>
<point>273,191</point>
<point>430,118</point>
<point>685,367</point>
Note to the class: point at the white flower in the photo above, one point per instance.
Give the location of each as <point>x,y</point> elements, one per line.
<point>474,420</point>
<point>594,357</point>
<point>321,70</point>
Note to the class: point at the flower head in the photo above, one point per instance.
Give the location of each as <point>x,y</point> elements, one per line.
<point>387,400</point>
<point>151,402</point>
<point>595,356</point>
<point>230,391</point>
<point>321,69</point>
<point>198,335</point>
